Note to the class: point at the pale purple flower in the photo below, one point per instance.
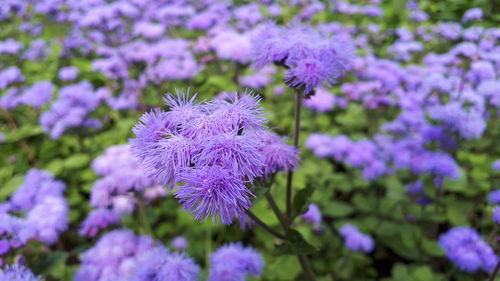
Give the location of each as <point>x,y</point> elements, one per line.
<point>235,262</point>
<point>313,214</point>
<point>160,264</point>
<point>179,243</point>
<point>18,273</point>
<point>472,14</point>
<point>467,250</point>
<point>68,73</point>
<point>356,240</point>
<point>96,220</point>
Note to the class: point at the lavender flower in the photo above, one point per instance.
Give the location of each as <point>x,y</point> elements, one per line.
<point>179,243</point>
<point>235,262</point>
<point>355,240</point>
<point>9,76</point>
<point>68,73</point>
<point>313,214</point>
<point>215,148</point>
<point>311,58</point>
<point>114,256</point>
<point>96,220</point>
<point>496,165</point>
<point>472,14</point>
<point>496,214</point>
<point>17,273</point>
<point>467,250</point>
<point>160,264</point>
<point>214,191</point>
<point>494,197</point>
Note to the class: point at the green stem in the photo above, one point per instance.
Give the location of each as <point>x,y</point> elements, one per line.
<point>306,267</point>
<point>141,209</point>
<point>495,272</point>
<point>264,225</point>
<point>276,211</point>
<point>303,259</point>
<point>296,135</point>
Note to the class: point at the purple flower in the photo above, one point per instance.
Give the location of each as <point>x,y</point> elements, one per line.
<point>37,185</point>
<point>467,250</point>
<point>494,197</point>
<point>68,73</point>
<point>356,240</point>
<point>179,243</point>
<point>160,264</point>
<point>235,262</point>
<point>9,76</point>
<point>277,155</point>
<point>10,46</point>
<point>47,219</point>
<point>215,147</point>
<point>114,256</point>
<point>496,214</point>
<point>96,220</point>
<point>213,191</point>
<point>311,58</point>
<point>496,165</point>
<point>473,14</point>
<point>17,273</point>
<point>38,94</point>
<point>232,46</point>
<point>313,214</point>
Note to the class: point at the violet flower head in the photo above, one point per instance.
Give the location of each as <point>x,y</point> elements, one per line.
<point>68,73</point>
<point>311,59</point>
<point>114,256</point>
<point>494,197</point>
<point>179,243</point>
<point>18,273</point>
<point>96,220</point>
<point>496,165</point>
<point>496,214</point>
<point>37,185</point>
<point>472,14</point>
<point>38,94</point>
<point>278,155</point>
<point>160,264</point>
<point>313,214</point>
<point>356,240</point>
<point>216,148</point>
<point>235,262</point>
<point>47,219</point>
<point>467,250</point>
<point>214,191</point>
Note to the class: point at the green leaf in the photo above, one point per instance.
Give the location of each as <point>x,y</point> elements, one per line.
<point>300,200</point>
<point>338,209</point>
<point>76,161</point>
<point>295,245</point>
<point>422,273</point>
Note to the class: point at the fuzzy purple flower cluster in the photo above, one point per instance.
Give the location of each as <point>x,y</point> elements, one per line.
<point>217,149</point>
<point>467,250</point>
<point>356,240</point>
<point>123,182</point>
<point>37,210</point>
<point>235,262</point>
<point>311,58</point>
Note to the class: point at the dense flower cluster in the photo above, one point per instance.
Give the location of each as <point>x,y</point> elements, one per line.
<point>114,256</point>
<point>123,181</point>
<point>43,210</point>
<point>235,262</point>
<point>311,59</point>
<point>356,240</point>
<point>160,264</point>
<point>72,109</point>
<point>18,273</point>
<point>467,250</point>
<point>216,148</point>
